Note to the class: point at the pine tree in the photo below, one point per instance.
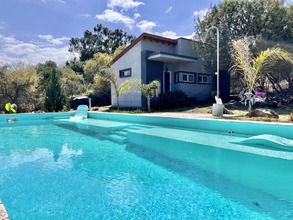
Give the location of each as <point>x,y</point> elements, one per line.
<point>55,98</point>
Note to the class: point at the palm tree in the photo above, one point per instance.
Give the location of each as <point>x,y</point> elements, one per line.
<point>109,75</point>
<point>145,89</point>
<point>253,68</point>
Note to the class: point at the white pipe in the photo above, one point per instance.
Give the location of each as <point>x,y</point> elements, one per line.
<point>218,57</point>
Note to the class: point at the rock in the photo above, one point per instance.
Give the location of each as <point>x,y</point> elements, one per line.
<point>227,111</point>
<point>95,108</point>
<point>264,113</point>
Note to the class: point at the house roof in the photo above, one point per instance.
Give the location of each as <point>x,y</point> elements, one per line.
<point>145,36</point>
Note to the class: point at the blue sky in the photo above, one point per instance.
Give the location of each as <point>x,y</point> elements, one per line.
<point>38,30</point>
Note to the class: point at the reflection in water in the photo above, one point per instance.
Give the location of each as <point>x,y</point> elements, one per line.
<point>59,157</point>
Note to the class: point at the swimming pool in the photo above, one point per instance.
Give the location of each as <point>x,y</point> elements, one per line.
<point>132,167</point>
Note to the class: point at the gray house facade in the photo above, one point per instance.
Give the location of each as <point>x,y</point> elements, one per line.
<point>171,61</point>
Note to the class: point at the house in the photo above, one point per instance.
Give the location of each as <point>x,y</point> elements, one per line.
<point>171,61</point>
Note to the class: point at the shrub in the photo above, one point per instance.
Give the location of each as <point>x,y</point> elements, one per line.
<point>172,99</point>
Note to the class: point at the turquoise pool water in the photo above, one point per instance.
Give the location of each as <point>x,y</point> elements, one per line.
<point>116,170</point>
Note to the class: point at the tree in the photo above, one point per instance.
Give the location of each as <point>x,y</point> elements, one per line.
<point>76,65</point>
<point>236,19</point>
<point>18,84</point>
<point>281,72</point>
<point>100,80</point>
<point>44,72</point>
<point>101,91</point>
<point>72,83</point>
<point>96,65</point>
<point>109,75</point>
<point>145,89</point>
<point>55,99</point>
<point>253,68</point>
<point>118,51</point>
<point>103,40</point>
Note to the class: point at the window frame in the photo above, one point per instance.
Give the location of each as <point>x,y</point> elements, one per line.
<point>122,75</point>
<point>202,76</point>
<point>180,75</point>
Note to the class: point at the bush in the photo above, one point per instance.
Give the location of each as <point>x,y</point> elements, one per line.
<point>172,99</point>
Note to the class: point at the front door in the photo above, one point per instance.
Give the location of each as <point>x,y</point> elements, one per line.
<point>167,81</point>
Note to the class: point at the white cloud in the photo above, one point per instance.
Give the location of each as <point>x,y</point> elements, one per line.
<point>86,15</point>
<point>173,35</point>
<point>52,40</point>
<point>169,34</point>
<point>200,14</point>
<point>116,17</point>
<point>288,2</point>
<point>59,1</point>
<point>136,16</point>
<point>168,10</point>
<point>124,4</point>
<point>146,26</point>
<point>13,50</point>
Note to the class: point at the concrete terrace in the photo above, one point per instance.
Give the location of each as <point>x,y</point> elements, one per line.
<point>190,115</point>
<point>3,213</point>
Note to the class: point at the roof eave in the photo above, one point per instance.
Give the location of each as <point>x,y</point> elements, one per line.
<point>144,36</point>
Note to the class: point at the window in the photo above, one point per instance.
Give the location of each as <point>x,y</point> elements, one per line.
<point>204,79</point>
<point>185,77</point>
<point>125,73</point>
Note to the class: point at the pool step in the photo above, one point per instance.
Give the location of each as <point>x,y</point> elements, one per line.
<point>120,136</point>
<point>171,140</point>
<point>117,138</point>
<point>188,136</point>
<point>121,133</point>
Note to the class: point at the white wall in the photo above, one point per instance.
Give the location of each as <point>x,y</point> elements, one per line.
<point>131,59</point>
